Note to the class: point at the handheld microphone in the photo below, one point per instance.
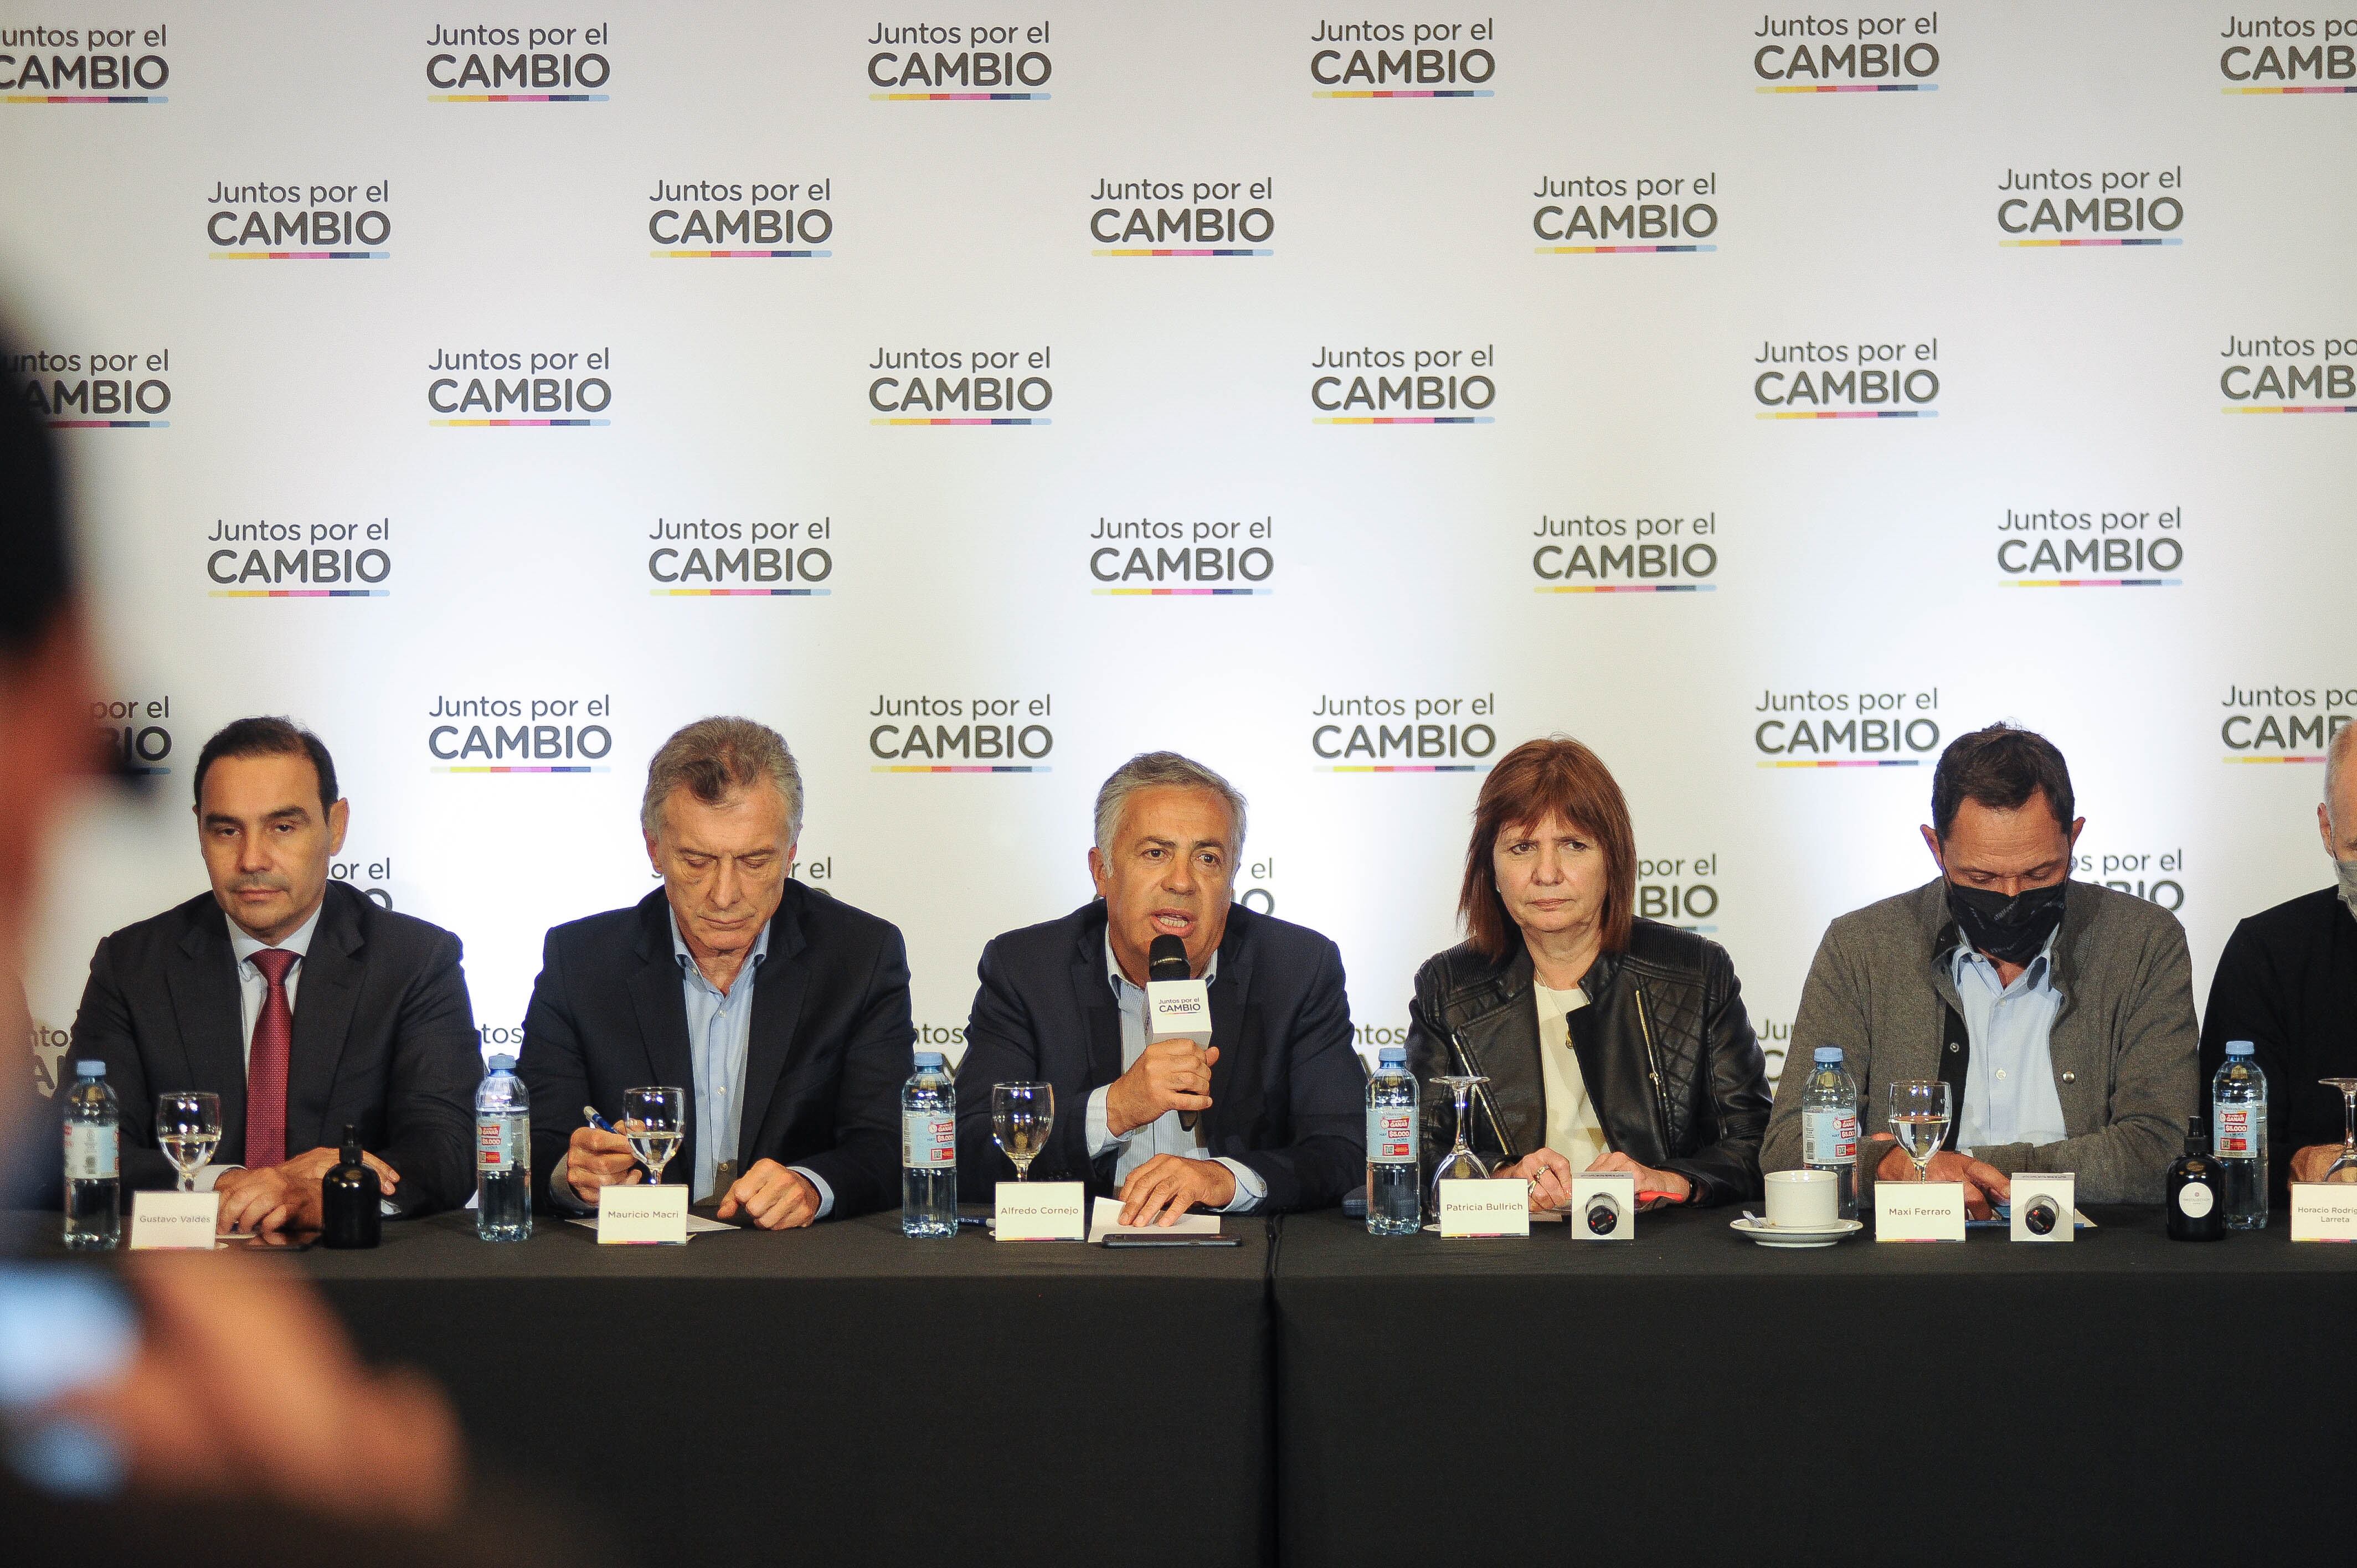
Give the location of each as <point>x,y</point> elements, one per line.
<point>1177,1007</point>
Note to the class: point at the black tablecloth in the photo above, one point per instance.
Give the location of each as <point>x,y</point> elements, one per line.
<point>844,1394</point>
<point>1690,1397</point>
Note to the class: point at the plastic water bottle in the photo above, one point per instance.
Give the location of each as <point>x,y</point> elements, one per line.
<point>1394,1178</point>
<point>93,1144</point>
<point>2238,1135</point>
<point>929,1150</point>
<point>1829,1125</point>
<point>503,1154</point>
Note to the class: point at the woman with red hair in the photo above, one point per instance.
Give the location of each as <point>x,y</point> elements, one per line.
<point>1610,1043</point>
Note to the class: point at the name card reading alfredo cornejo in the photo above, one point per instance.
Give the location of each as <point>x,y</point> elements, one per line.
<point>1042,1211</point>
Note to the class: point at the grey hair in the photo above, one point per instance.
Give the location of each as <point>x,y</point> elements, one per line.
<point>2344,741</point>
<point>715,758</point>
<point>1163,769</point>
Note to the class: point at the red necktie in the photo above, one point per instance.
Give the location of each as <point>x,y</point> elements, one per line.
<point>266,1064</point>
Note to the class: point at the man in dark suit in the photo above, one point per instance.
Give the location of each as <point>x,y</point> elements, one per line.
<point>305,1005</point>
<point>783,1013</point>
<point>1277,1101</point>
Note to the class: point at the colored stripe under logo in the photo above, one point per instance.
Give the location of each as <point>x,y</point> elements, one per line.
<point>84,98</point>
<point>1623,250</point>
<point>2276,91</point>
<point>1436,92</point>
<point>2093,583</point>
<point>300,593</point>
<point>572,769</point>
<point>1214,252</point>
<point>1861,414</point>
<point>961,422</point>
<point>1883,762</point>
<point>301,256</point>
<point>1181,593</point>
<point>950,767</point>
<point>2292,408</point>
<point>957,97</point>
<point>741,593</point>
<point>1861,87</point>
<point>1407,768</point>
<point>110,424</point>
<point>1625,588</point>
<point>2274,759</point>
<point>2070,245</point>
<point>512,424</point>
<point>1457,419</point>
<point>515,98</point>
<point>735,256</point>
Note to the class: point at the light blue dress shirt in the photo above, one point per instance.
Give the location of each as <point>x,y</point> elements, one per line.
<point>1163,1136</point>
<point>252,994</point>
<point>2009,1093</point>
<point>719,1032</point>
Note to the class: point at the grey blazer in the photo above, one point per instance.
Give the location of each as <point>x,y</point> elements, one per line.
<point>2124,1041</point>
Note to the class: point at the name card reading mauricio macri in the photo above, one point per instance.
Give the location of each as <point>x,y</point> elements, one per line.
<point>2323,1211</point>
<point>642,1214</point>
<point>1919,1211</point>
<point>1477,1209</point>
<point>1042,1211</point>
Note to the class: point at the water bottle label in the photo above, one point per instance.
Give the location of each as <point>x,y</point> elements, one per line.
<point>90,1152</point>
<point>1829,1138</point>
<point>928,1141</point>
<point>2235,1131</point>
<point>1391,1134</point>
<point>2195,1200</point>
<point>491,1153</point>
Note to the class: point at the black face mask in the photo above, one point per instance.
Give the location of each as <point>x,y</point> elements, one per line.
<point>2010,930</point>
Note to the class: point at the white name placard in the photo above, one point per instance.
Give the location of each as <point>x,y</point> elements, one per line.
<point>642,1215</point>
<point>170,1221</point>
<point>2042,1208</point>
<point>1919,1211</point>
<point>1473,1209</point>
<point>1603,1207</point>
<point>1042,1211</point>
<point>2322,1212</point>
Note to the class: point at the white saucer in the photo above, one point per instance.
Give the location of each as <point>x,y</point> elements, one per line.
<point>1824,1235</point>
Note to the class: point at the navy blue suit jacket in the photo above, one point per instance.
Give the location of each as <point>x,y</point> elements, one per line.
<point>1288,1092</point>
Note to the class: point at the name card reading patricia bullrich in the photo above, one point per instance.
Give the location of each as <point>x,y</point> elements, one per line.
<point>1042,1211</point>
<point>1473,1209</point>
<point>173,1221</point>
<point>1919,1211</point>
<point>642,1215</point>
<point>2323,1211</point>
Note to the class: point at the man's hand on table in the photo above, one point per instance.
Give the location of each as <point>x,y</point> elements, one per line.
<point>2311,1163</point>
<point>284,1196</point>
<point>1984,1183</point>
<point>774,1197</point>
<point>1162,1189</point>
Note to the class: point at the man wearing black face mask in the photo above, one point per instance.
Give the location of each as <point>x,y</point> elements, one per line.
<point>2287,984</point>
<point>2059,1013</point>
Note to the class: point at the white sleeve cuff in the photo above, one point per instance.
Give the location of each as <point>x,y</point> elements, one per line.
<point>1101,1136</point>
<point>207,1175</point>
<point>818,1184</point>
<point>1250,1188</point>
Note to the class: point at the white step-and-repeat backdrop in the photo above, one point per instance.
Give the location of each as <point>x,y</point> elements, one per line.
<point>981,393</point>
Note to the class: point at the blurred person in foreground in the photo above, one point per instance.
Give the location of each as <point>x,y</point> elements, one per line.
<point>139,1420</point>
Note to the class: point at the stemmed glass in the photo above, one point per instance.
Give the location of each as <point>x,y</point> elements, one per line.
<point>654,1120</point>
<point>2344,1169</point>
<point>1460,1163</point>
<point>1919,1115</point>
<point>187,1129</point>
<point>1020,1115</point>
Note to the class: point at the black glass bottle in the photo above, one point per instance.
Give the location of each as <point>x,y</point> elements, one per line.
<point>351,1211</point>
<point>2197,1193</point>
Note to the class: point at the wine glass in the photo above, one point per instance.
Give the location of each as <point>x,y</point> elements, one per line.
<point>2344,1169</point>
<point>1021,1116</point>
<point>187,1129</point>
<point>1460,1163</point>
<point>654,1120</point>
<point>1919,1115</point>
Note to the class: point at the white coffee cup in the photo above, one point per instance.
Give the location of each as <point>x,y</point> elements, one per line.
<point>1804,1197</point>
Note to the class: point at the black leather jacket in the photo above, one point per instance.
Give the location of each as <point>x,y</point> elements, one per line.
<point>1664,1049</point>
